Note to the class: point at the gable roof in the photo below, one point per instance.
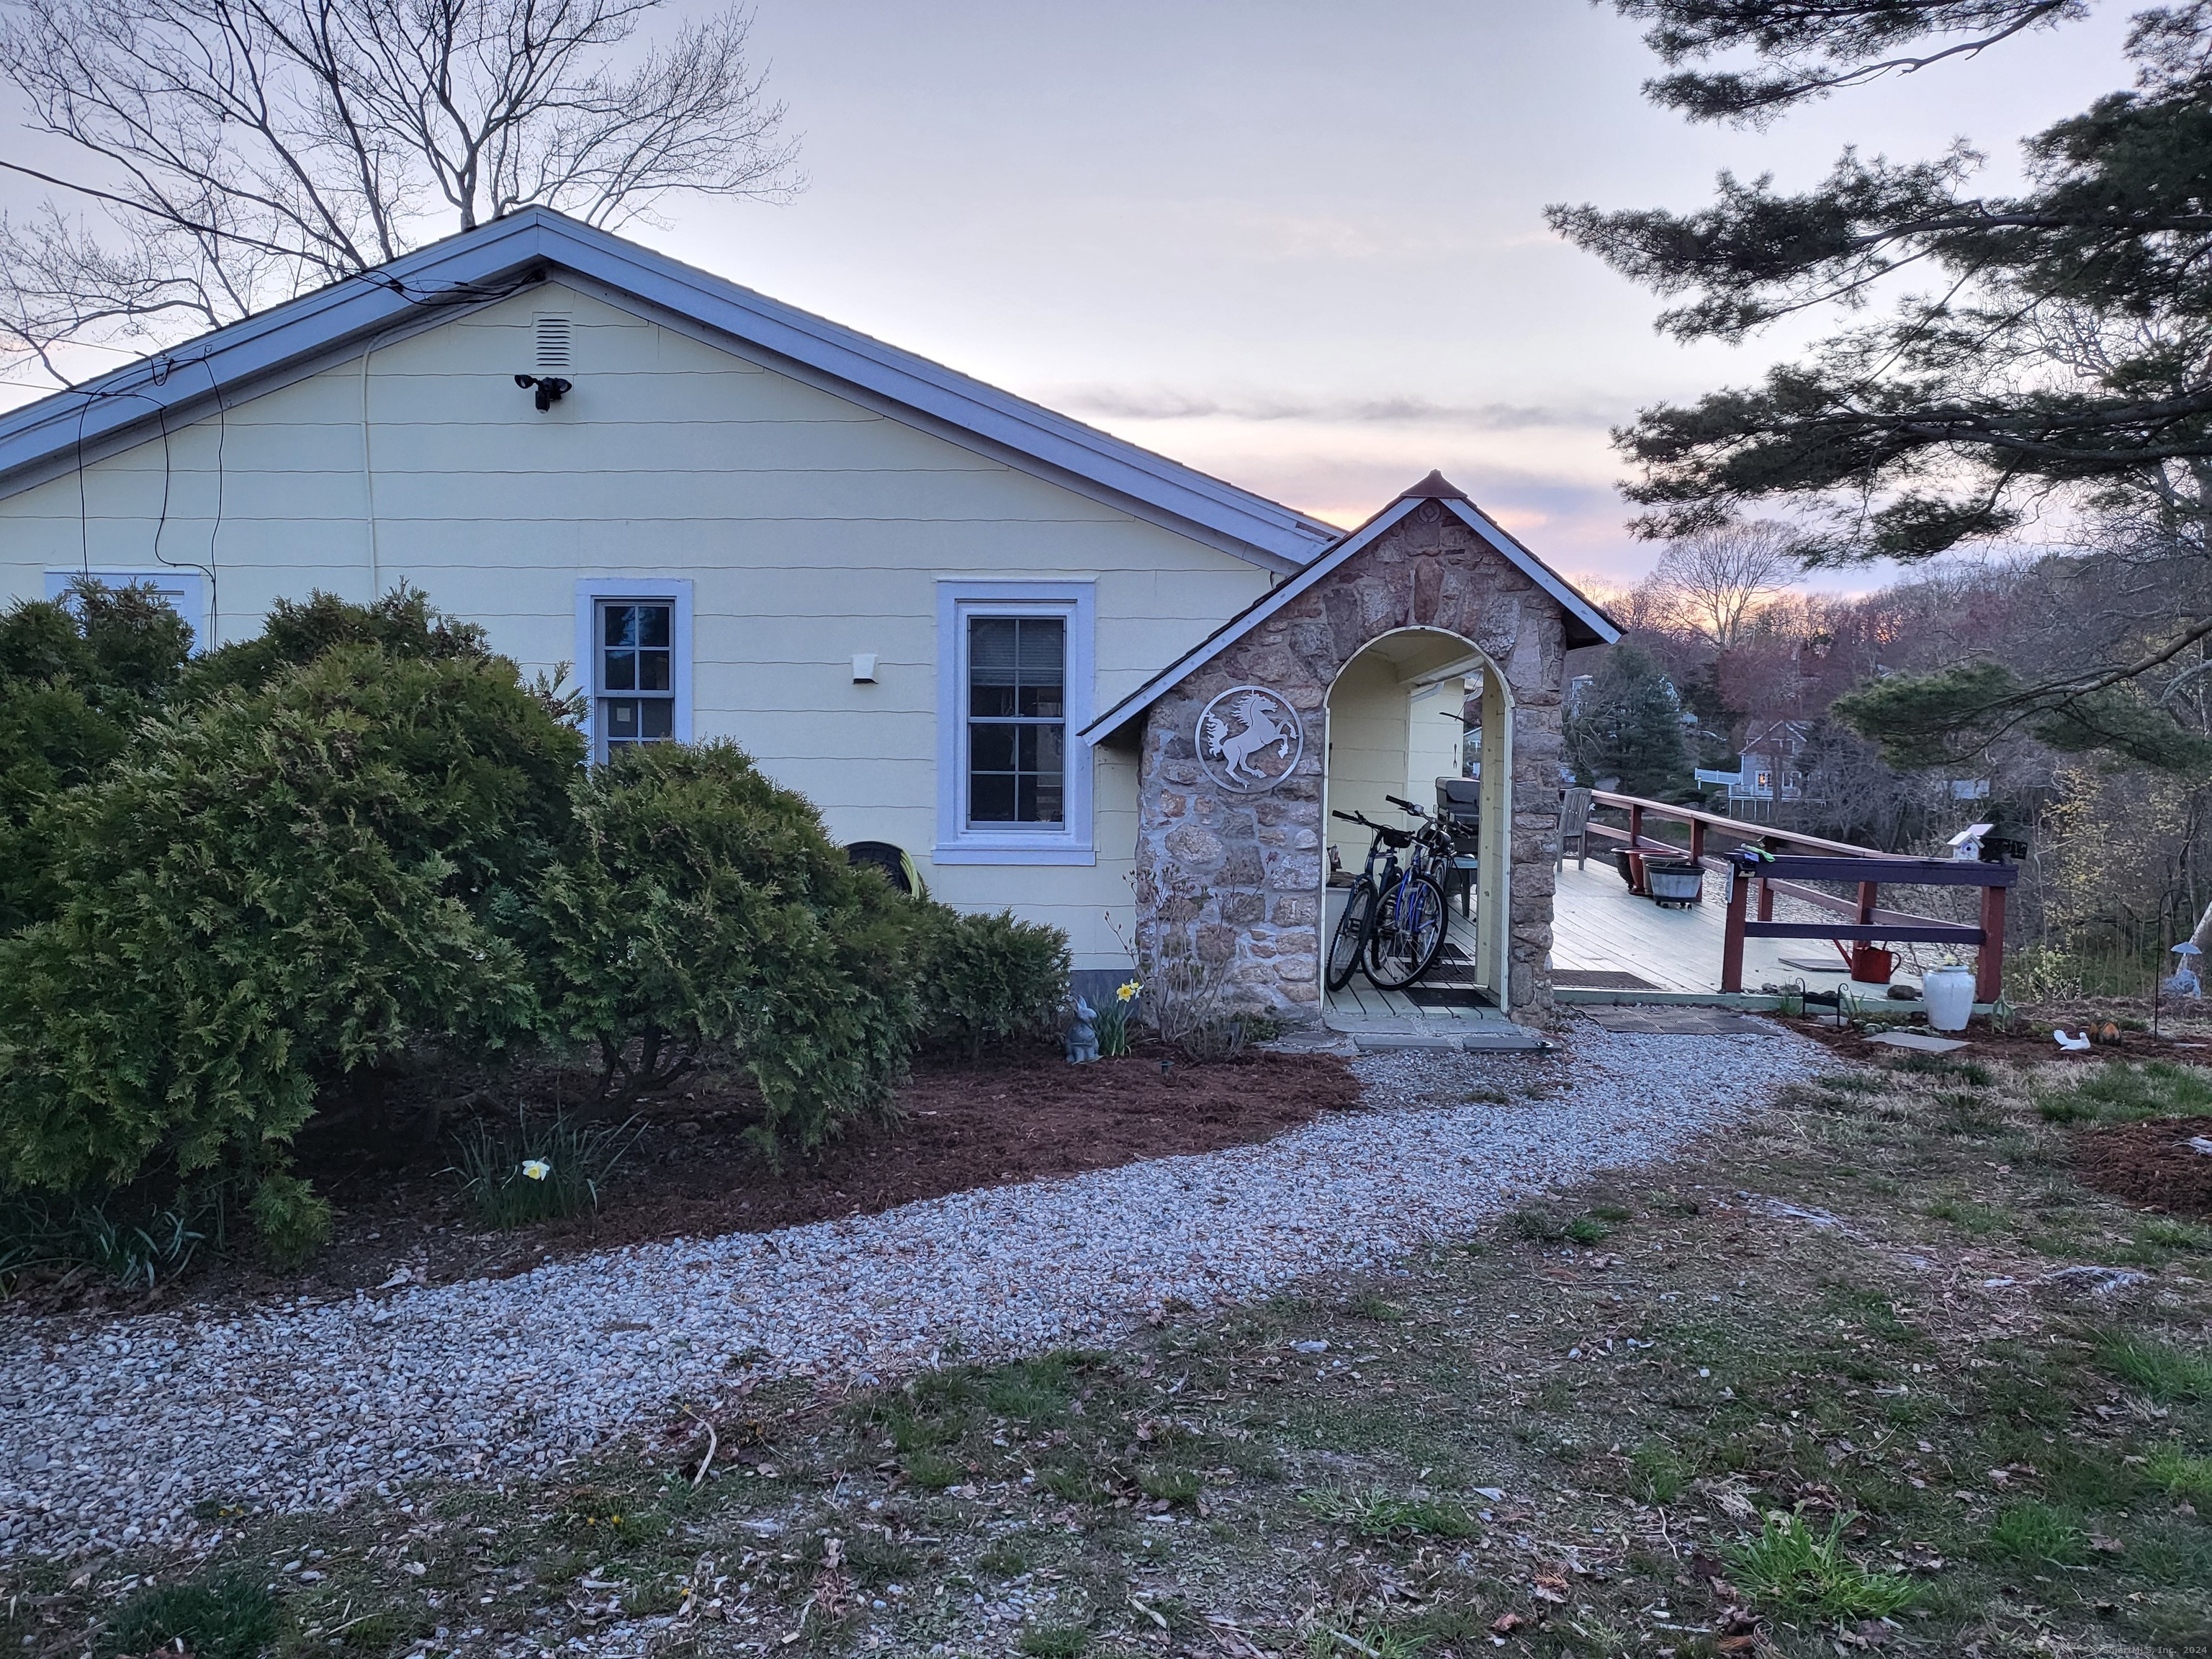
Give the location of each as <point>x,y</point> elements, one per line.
<point>1586,623</point>
<point>48,438</point>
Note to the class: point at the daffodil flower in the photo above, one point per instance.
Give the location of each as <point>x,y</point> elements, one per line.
<point>1127,991</point>
<point>536,1168</point>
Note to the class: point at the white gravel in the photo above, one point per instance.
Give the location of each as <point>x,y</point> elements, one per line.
<point>111,1429</point>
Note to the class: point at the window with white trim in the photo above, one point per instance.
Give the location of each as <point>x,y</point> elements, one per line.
<point>637,667</point>
<point>1017,720</point>
<point>185,592</point>
<point>633,650</point>
<point>1014,667</point>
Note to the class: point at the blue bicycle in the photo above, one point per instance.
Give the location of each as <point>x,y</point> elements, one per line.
<point>1394,918</point>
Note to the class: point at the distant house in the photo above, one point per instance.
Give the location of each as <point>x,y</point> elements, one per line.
<point>1770,767</point>
<point>1067,675</point>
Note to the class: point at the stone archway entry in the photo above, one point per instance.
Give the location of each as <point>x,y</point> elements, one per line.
<point>1394,726</point>
<point>1234,742</point>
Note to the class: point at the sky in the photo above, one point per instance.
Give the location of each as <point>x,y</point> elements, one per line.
<point>1299,244</point>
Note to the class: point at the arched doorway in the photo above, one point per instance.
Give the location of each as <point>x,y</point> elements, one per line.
<point>1397,720</point>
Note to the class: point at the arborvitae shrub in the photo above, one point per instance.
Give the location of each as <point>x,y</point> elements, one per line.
<point>988,979</point>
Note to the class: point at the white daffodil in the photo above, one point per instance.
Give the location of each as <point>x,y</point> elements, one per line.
<point>536,1168</point>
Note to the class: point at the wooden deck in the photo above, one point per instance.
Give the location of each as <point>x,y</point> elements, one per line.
<point>1599,927</point>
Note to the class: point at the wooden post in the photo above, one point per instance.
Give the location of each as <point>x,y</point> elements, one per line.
<point>1867,891</point>
<point>1732,940</point>
<point>1697,840</point>
<point>1635,828</point>
<point>1989,962</point>
<point>1765,899</point>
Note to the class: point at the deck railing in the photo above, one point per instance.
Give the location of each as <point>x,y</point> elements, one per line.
<point>1786,872</point>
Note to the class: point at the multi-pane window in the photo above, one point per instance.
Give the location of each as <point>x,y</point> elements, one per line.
<point>636,672</point>
<point>1017,720</point>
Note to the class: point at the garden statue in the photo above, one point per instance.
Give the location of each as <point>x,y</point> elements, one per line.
<point>1082,1036</point>
<point>2183,981</point>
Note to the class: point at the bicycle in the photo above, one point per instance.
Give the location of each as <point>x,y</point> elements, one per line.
<point>1392,927</point>
<point>1412,915</point>
<point>1347,946</point>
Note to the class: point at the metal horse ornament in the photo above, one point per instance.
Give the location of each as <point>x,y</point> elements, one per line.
<point>1259,732</point>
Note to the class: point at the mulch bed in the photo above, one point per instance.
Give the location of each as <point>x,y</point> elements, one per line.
<point>2150,1163</point>
<point>1020,1116</point>
<point>2024,1042</point>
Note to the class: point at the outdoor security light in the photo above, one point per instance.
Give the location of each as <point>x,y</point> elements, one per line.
<point>551,388</point>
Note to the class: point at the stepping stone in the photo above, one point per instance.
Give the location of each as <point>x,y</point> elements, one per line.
<point>1503,1039</point>
<point>1919,1042</point>
<point>1662,1020</point>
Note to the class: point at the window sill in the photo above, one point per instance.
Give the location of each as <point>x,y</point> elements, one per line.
<point>970,851</point>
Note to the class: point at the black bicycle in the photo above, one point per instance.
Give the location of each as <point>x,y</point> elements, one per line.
<point>1394,918</point>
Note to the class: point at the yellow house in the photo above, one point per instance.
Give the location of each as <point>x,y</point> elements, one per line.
<point>910,596</point>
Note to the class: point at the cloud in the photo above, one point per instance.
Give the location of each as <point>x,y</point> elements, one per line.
<point>1167,404</point>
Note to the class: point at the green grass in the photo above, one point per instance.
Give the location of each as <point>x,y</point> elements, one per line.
<point>933,1471</point>
<point>220,1619</point>
<point>1979,1220</point>
<point>520,1173</point>
<point>2166,1373</point>
<point>1052,1641</point>
<point>2033,1533</point>
<point>2164,1232</point>
<point>1376,1513</point>
<point>1971,1072</point>
<point>2181,1475</point>
<point>1790,1567</point>
<point>1656,1474</point>
<point>2121,1091</point>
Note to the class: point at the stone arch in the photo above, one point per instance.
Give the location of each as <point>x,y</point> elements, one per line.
<point>1236,879</point>
<point>1376,729</point>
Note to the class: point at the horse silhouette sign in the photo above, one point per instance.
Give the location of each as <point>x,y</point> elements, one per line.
<point>1249,739</point>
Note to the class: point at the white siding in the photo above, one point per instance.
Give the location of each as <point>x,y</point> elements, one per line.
<point>811,528</point>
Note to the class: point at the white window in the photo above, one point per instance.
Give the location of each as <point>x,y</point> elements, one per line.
<point>634,655</point>
<point>187,590</point>
<point>1014,670</point>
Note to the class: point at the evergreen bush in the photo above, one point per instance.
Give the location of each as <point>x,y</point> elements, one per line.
<point>987,978</point>
<point>701,913</point>
<point>270,887</point>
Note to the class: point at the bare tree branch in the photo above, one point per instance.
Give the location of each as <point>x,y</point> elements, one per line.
<point>231,154</point>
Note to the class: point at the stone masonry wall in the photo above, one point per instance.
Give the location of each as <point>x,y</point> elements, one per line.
<point>1237,877</point>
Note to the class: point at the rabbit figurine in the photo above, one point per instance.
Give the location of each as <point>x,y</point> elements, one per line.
<point>1082,1036</point>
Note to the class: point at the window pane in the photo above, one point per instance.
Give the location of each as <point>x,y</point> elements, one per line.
<point>657,719</point>
<point>992,665</point>
<point>621,671</point>
<point>991,798</point>
<point>991,748</point>
<point>637,720</point>
<point>651,625</point>
<point>653,671</point>
<point>620,724</point>
<point>1040,665</point>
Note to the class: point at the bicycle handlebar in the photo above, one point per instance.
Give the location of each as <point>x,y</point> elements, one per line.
<point>1402,802</point>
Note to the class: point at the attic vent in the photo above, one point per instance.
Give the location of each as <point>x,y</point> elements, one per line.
<point>553,330</point>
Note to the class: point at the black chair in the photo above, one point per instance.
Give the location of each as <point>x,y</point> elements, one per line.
<point>1459,808</point>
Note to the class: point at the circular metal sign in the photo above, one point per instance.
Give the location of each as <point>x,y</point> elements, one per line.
<point>1249,739</point>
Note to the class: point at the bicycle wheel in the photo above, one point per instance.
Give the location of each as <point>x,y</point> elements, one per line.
<point>1348,942</point>
<point>1407,933</point>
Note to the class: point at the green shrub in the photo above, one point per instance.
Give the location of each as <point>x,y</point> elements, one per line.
<point>267,888</point>
<point>74,678</point>
<point>988,979</point>
<point>701,911</point>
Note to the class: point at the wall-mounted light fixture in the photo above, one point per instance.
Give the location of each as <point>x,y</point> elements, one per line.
<point>551,388</point>
<point>864,668</point>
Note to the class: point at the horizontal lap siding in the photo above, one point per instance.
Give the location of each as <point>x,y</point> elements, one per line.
<point>811,529</point>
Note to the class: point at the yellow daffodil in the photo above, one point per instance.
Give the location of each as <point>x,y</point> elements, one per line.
<point>1129,991</point>
<point>536,1168</point>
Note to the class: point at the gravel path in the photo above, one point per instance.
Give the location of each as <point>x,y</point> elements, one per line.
<point>111,1429</point>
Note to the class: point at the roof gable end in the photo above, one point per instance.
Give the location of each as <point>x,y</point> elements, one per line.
<point>482,266</point>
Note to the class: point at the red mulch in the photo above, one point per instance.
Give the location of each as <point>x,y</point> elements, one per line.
<point>2150,1163</point>
<point>1021,1116</point>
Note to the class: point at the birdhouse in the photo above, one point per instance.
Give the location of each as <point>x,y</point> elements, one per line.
<point>1967,845</point>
